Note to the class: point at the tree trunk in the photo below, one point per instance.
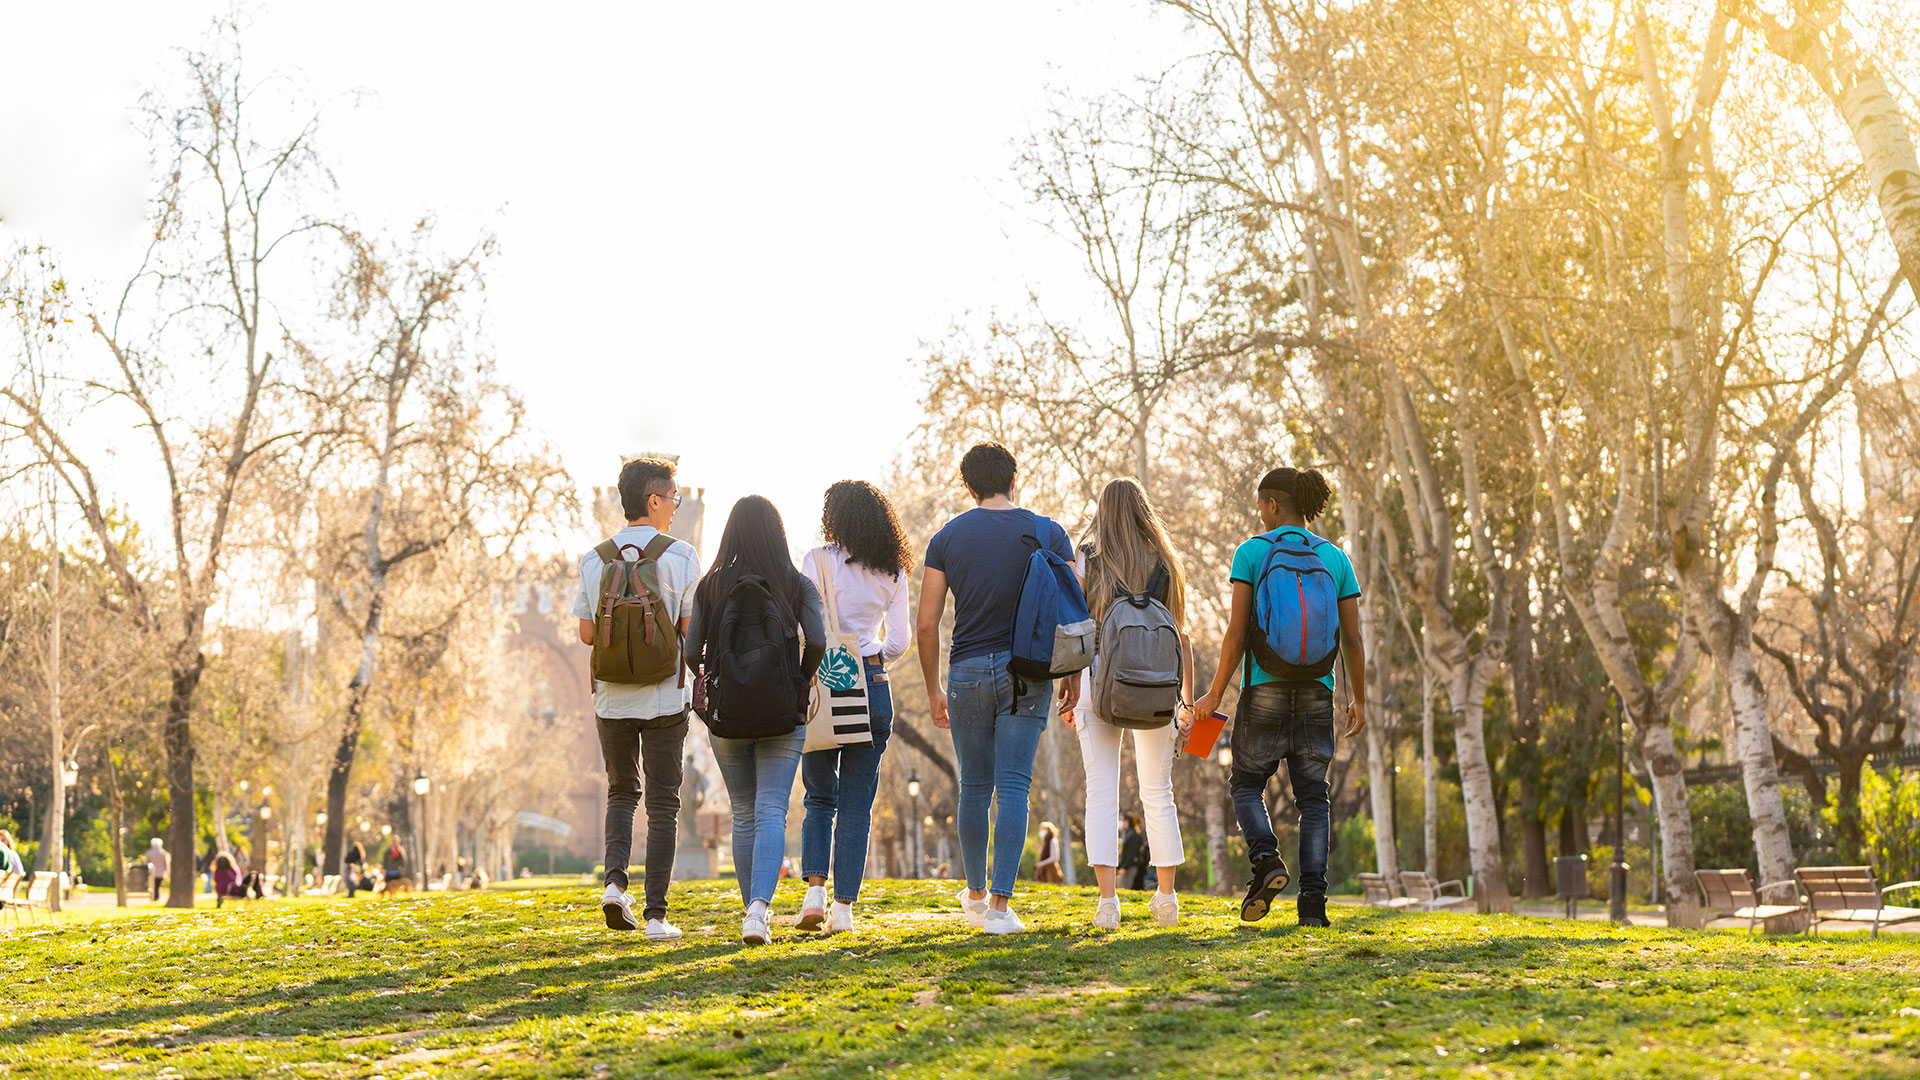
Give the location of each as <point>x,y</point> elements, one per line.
<point>1429,781</point>
<point>1535,883</point>
<point>349,745</point>
<point>1386,852</point>
<point>52,848</point>
<point>118,839</point>
<point>178,740</point>
<point>1853,840</point>
<point>1217,843</point>
<point>1469,693</point>
<point>1755,741</point>
<point>1676,826</point>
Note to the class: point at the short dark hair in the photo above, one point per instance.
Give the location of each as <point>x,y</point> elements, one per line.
<point>1304,491</point>
<point>640,478</point>
<point>988,470</point>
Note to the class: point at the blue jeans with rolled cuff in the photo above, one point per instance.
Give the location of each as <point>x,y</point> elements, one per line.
<point>1291,724</point>
<point>840,788</point>
<point>995,734</point>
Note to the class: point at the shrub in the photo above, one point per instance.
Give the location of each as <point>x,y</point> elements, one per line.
<point>1890,823</point>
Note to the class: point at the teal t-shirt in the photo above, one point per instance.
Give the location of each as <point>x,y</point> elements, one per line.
<point>1252,555</point>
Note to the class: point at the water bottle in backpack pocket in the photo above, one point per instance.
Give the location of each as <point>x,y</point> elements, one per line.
<point>1296,610</point>
<point>1053,634</point>
<point>753,655</point>
<point>1136,678</point>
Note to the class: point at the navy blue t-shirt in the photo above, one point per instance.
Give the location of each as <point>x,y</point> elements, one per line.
<point>984,554</point>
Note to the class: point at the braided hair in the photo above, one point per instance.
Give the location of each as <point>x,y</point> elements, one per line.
<point>1303,491</point>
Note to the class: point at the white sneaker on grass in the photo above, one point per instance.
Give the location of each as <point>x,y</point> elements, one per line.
<point>1165,908</point>
<point>755,931</point>
<point>662,930</point>
<point>1106,913</point>
<point>1002,922</point>
<point>974,910</point>
<point>617,905</point>
<point>839,918</point>
<point>813,910</point>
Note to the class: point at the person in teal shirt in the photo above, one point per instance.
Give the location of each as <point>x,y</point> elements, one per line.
<point>1277,721</point>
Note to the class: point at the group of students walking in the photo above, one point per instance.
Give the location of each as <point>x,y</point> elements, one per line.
<point>787,665</point>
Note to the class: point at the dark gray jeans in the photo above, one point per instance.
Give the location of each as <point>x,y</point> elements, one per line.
<point>630,749</point>
<point>1292,726</point>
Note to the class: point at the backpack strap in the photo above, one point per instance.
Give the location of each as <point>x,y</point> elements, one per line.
<point>655,548</point>
<point>1158,581</point>
<point>608,551</point>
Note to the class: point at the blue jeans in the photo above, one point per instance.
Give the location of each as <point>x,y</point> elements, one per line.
<point>1293,724</point>
<point>843,782</point>
<point>995,735</point>
<point>759,776</point>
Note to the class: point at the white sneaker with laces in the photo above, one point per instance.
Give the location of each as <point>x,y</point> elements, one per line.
<point>754,930</point>
<point>974,910</point>
<point>1106,913</point>
<point>839,918</point>
<point>662,930</point>
<point>1165,908</point>
<point>617,905</point>
<point>1002,922</point>
<point>813,911</point>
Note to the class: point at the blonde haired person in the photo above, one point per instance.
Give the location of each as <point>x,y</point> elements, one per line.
<point>1127,553</point>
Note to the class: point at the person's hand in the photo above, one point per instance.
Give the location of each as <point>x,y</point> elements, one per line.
<point>937,705</point>
<point>1356,718</point>
<point>1069,699</point>
<point>1183,719</point>
<point>1208,704</point>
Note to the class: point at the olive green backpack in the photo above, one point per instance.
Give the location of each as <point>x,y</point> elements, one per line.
<point>636,640</point>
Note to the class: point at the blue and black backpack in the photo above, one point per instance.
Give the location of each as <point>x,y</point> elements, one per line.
<point>1052,630</point>
<point>1296,609</point>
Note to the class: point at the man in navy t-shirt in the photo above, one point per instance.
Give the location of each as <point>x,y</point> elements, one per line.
<point>996,723</point>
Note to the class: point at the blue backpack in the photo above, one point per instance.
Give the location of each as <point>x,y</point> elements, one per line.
<point>1052,630</point>
<point>1296,610</point>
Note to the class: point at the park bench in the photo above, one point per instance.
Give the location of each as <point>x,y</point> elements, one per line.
<point>36,897</point>
<point>445,884</point>
<point>329,885</point>
<point>7,886</point>
<point>1731,893</point>
<point>1850,894</point>
<point>1377,891</point>
<point>1430,895</point>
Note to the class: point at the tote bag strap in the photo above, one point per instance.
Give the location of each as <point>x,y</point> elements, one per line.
<point>825,572</point>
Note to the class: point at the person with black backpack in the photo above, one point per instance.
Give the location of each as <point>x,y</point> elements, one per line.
<point>1296,608</point>
<point>1139,682</point>
<point>1019,621</point>
<point>635,597</point>
<point>745,648</point>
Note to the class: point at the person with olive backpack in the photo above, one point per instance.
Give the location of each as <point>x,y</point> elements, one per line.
<point>1139,682</point>
<point>635,597</point>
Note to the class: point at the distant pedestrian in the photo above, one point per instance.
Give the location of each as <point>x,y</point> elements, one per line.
<point>354,869</point>
<point>157,864</point>
<point>230,883</point>
<point>1132,866</point>
<point>9,859</point>
<point>1046,867</point>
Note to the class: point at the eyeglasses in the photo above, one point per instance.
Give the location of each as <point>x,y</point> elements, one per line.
<point>676,497</point>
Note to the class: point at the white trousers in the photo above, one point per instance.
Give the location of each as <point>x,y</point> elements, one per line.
<point>1153,752</point>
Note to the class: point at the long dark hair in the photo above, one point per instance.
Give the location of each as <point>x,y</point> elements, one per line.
<point>224,859</point>
<point>858,517</point>
<point>754,542</point>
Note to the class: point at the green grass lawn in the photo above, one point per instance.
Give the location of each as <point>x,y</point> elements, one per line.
<point>531,983</point>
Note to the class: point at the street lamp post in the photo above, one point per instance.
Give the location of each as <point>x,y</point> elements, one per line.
<point>421,786</point>
<point>914,840</point>
<point>1617,885</point>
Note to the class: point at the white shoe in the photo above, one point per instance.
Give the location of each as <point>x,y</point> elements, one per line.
<point>662,930</point>
<point>1106,913</point>
<point>974,910</point>
<point>617,905</point>
<point>1002,922</point>
<point>813,911</point>
<point>1165,908</point>
<point>754,930</point>
<point>839,918</point>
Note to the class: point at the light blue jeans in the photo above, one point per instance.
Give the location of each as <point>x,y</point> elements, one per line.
<point>759,777</point>
<point>995,735</point>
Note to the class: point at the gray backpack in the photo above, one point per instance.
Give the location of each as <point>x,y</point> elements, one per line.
<point>1136,680</point>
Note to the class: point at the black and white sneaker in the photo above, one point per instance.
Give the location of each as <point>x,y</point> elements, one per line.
<point>617,905</point>
<point>1269,878</point>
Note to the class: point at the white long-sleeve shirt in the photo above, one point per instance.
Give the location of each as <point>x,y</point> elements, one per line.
<point>872,605</point>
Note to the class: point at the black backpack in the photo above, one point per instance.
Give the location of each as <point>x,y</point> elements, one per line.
<point>752,659</point>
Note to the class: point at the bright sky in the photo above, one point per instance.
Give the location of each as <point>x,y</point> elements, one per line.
<point>758,209</point>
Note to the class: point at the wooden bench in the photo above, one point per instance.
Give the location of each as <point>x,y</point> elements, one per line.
<point>1377,891</point>
<point>36,896</point>
<point>1430,895</point>
<point>329,885</point>
<point>7,886</point>
<point>1850,894</point>
<point>1731,893</point>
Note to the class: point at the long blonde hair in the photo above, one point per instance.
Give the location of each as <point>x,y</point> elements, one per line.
<point>1127,541</point>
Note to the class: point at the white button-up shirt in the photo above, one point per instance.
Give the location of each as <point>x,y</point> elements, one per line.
<point>679,573</point>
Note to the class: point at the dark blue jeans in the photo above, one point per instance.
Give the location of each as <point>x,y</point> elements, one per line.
<point>1293,724</point>
<point>840,788</point>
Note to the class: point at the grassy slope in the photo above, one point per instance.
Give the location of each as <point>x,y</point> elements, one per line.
<point>530,984</point>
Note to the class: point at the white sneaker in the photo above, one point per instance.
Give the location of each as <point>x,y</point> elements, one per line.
<point>974,910</point>
<point>1165,908</point>
<point>813,911</point>
<point>1002,922</point>
<point>617,905</point>
<point>662,930</point>
<point>754,930</point>
<point>839,918</point>
<point>1106,913</point>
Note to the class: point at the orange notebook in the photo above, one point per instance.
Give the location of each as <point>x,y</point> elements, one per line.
<point>1206,732</point>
